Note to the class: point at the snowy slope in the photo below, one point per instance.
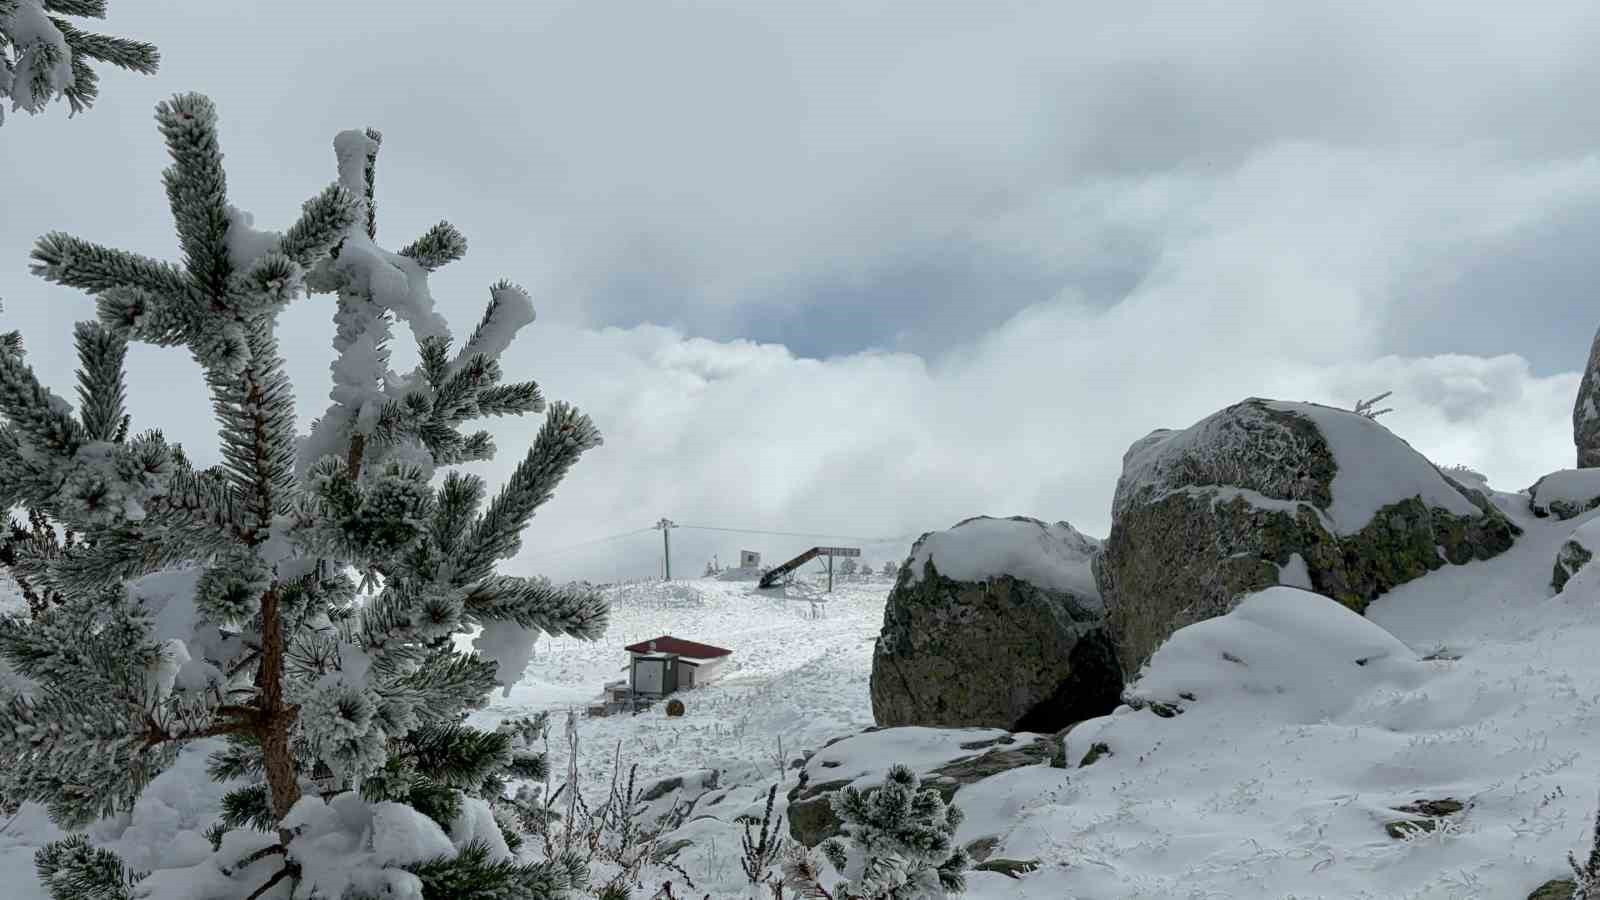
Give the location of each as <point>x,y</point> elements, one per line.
<point>799,671</point>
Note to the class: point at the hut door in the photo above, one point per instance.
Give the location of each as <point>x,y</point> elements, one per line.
<point>648,674</point>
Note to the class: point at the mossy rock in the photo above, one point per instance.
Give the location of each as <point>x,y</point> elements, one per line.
<point>1554,889</point>
<point>1011,868</point>
<point>1572,556</point>
<point>982,848</point>
<point>1433,811</point>
<point>811,816</point>
<point>1211,514</point>
<point>1096,750</point>
<point>997,653</point>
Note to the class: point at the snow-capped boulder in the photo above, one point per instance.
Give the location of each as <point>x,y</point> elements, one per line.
<point>1575,554</point>
<point>1265,493</point>
<point>997,623</point>
<point>1566,494</point>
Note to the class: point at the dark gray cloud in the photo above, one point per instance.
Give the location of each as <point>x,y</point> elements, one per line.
<point>771,169</point>
<point>1536,291</point>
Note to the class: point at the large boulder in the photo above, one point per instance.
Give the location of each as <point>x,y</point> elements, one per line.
<point>995,623</point>
<point>1586,411</point>
<point>1266,493</point>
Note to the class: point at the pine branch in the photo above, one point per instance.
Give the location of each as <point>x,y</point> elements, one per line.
<point>434,355</point>
<point>369,178</point>
<point>448,680</point>
<point>249,807</point>
<point>509,309</point>
<point>471,875</point>
<point>85,87</point>
<point>35,415</point>
<point>536,603</point>
<point>138,314</point>
<point>458,501</point>
<point>438,246</point>
<point>72,870</point>
<point>566,434</point>
<point>89,9</point>
<point>101,393</point>
<point>136,56</point>
<point>256,410</point>
<point>323,220</point>
<point>456,755</point>
<point>197,188</point>
<point>510,399</point>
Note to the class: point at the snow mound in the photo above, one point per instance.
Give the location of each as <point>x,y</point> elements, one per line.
<point>1054,557</point>
<point>1297,650</point>
<point>741,573</point>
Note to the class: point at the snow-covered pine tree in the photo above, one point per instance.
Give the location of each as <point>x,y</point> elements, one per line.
<point>901,845</point>
<point>44,57</point>
<point>224,601</point>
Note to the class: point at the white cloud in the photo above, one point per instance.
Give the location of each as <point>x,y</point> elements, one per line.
<point>1034,421</point>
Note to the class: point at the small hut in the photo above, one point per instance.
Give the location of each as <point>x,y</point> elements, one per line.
<point>666,664</point>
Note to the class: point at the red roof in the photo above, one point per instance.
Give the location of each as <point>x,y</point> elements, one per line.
<point>678,646</point>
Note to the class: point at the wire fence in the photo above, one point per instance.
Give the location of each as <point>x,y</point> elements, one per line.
<point>540,555</point>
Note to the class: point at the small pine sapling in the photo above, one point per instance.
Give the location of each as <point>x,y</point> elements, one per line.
<point>901,845</point>
<point>763,845</point>
<point>44,57</point>
<point>300,599</point>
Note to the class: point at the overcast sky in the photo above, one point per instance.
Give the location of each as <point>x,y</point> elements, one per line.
<point>870,268</point>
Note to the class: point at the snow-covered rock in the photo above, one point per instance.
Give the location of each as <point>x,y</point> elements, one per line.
<point>997,623</point>
<point>1265,492</point>
<point>946,759</point>
<point>1565,494</point>
<point>1572,568</point>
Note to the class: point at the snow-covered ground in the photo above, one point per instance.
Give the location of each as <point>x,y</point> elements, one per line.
<point>1272,786</point>
<point>1274,782</point>
<point>798,672</point>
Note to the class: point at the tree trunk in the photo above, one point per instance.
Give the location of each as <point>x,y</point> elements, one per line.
<point>275,716</point>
